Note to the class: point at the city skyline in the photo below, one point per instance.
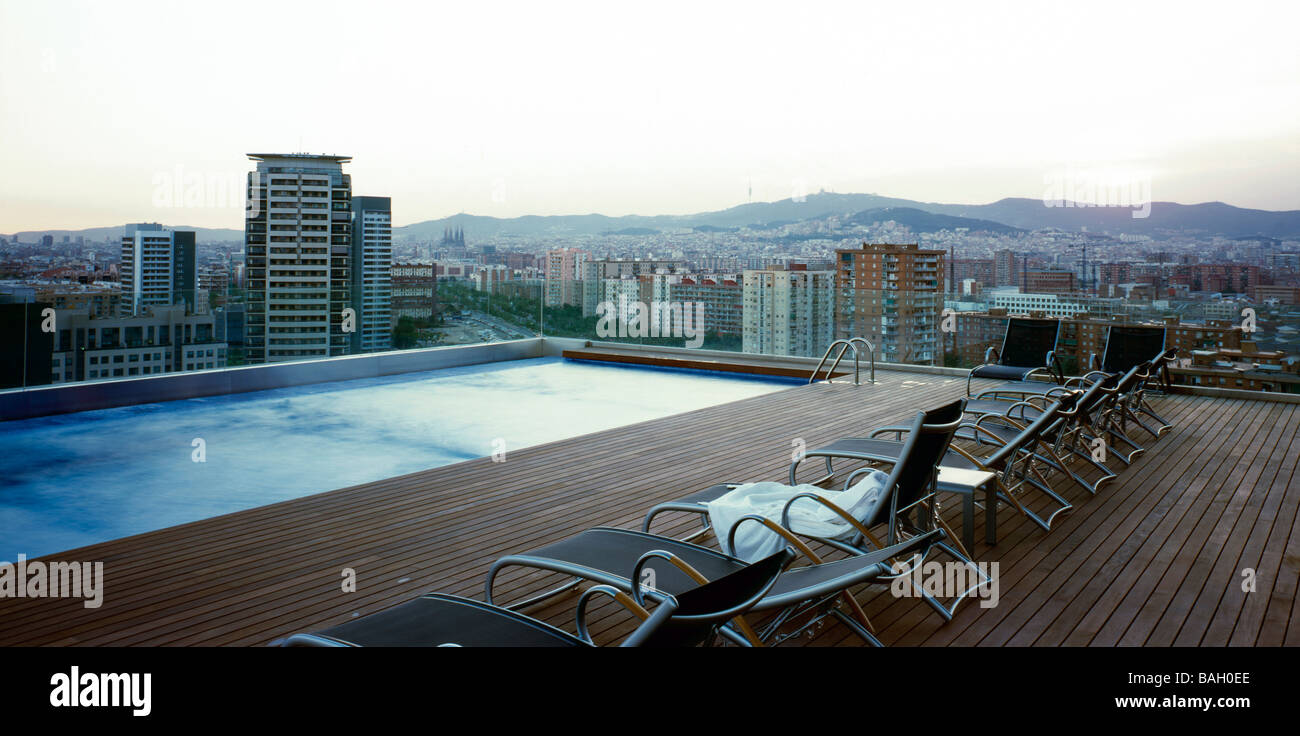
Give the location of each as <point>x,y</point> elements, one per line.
<point>586,110</point>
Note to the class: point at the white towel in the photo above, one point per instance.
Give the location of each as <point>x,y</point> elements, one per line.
<point>807,517</point>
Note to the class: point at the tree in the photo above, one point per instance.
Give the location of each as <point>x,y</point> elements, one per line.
<point>405,334</point>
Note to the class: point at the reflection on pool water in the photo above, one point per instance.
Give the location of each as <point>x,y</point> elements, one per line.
<point>75,479</point>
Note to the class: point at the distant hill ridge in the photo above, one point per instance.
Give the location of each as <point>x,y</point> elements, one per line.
<point>1004,215</point>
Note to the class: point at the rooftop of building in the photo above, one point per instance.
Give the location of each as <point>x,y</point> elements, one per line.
<point>1154,559</point>
<point>333,158</point>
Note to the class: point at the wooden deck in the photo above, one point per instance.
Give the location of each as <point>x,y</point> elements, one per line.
<point>1155,559</point>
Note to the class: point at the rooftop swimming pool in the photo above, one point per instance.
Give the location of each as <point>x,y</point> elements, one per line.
<point>71,480</point>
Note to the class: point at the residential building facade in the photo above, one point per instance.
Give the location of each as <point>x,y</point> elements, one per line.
<point>297,244</point>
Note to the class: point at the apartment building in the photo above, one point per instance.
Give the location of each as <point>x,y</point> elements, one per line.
<point>101,301</point>
<point>166,340</point>
<point>1050,281</point>
<point>1006,268</point>
<point>597,270</point>
<point>1282,294</point>
<point>564,272</point>
<point>414,292</point>
<point>723,297</point>
<point>371,269</point>
<point>1246,367</point>
<point>490,278</point>
<point>1054,305</point>
<point>978,269</point>
<point>298,244</point>
<point>788,312</point>
<point>215,280</point>
<point>891,295</point>
<point>158,268</point>
<point>623,294</point>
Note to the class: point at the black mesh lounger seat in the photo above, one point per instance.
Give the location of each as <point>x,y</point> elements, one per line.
<point>686,619</point>
<point>812,592</point>
<point>1129,345</point>
<point>853,447</point>
<point>913,486</point>
<point>1018,447</point>
<point>1126,348</point>
<point>874,449</point>
<point>1009,464</point>
<point>1129,405</point>
<point>1029,346</point>
<point>1065,444</point>
<point>910,513</point>
<point>1107,416</point>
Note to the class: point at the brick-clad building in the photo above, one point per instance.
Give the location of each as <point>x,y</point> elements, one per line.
<point>891,295</point>
<point>414,291</point>
<point>723,299</point>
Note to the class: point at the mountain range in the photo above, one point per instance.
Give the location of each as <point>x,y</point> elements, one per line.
<point>1003,216</point>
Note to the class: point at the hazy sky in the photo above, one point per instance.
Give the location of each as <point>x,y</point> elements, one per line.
<point>502,108</point>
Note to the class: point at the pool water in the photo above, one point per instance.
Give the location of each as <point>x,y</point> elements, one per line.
<point>71,480</point>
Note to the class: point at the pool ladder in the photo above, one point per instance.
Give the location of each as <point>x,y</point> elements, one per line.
<point>845,345</point>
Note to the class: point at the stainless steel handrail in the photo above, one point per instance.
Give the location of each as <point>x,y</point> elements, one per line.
<point>871,354</point>
<point>845,345</point>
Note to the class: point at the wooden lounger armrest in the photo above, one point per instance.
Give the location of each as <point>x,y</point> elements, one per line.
<point>980,432</point>
<point>676,561</point>
<point>777,529</point>
<point>855,609</point>
<point>1035,401</point>
<point>846,516</point>
<point>693,574</point>
<point>623,598</point>
<point>1004,419</point>
<point>978,462</point>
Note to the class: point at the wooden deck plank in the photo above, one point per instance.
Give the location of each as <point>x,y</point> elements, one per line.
<point>1146,554</point>
<point>1221,594</point>
<point>1068,555</point>
<point>253,576</point>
